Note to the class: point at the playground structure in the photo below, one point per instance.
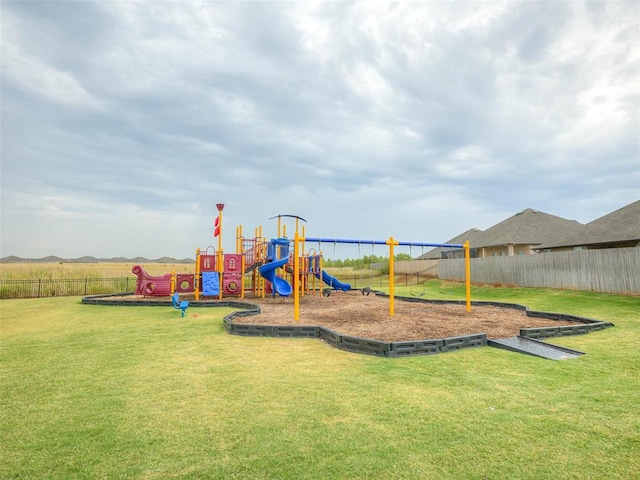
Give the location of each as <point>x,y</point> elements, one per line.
<point>259,267</point>
<point>262,267</point>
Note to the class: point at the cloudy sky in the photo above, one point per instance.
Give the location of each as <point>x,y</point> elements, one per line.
<point>125,122</point>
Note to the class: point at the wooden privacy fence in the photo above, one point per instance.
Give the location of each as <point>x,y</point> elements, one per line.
<point>424,268</point>
<point>613,270</point>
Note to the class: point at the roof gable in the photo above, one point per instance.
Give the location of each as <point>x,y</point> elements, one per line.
<point>530,227</point>
<point>469,235</point>
<point>618,226</point>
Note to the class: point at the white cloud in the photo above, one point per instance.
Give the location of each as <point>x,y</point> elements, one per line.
<point>412,119</point>
<point>41,80</point>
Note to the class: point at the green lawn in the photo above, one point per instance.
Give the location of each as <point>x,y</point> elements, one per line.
<point>139,392</point>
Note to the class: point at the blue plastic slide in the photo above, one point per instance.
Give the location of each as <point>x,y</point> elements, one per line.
<point>280,285</point>
<point>334,282</point>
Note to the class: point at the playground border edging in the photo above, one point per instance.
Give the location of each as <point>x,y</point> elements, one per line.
<point>369,346</point>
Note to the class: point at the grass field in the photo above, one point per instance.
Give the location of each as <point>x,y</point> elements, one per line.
<point>41,271</point>
<point>139,392</point>
<point>61,271</point>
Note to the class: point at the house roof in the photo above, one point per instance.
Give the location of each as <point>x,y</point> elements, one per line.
<point>618,226</point>
<point>528,227</point>
<point>469,235</point>
<point>533,227</point>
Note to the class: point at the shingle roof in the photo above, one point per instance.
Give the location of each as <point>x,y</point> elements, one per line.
<point>469,235</point>
<point>618,226</point>
<point>533,227</point>
<point>530,227</point>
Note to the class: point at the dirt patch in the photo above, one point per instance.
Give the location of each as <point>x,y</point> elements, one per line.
<point>353,314</point>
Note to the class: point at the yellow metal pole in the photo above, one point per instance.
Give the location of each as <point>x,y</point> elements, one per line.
<point>467,274</point>
<point>320,268</point>
<point>196,278</point>
<point>220,229</point>
<point>221,273</point>
<point>296,277</point>
<point>313,274</point>
<point>263,282</point>
<point>305,269</point>
<point>391,242</point>
<point>279,226</point>
<point>220,265</point>
<point>242,276</point>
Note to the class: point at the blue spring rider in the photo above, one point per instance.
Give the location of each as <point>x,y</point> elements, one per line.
<point>177,304</point>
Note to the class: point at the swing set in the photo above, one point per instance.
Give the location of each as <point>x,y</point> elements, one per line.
<point>299,240</point>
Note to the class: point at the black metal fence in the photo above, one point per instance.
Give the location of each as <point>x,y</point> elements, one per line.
<point>100,286</point>
<point>65,287</point>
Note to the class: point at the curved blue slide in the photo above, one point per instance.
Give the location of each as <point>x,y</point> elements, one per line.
<point>334,282</point>
<point>280,285</point>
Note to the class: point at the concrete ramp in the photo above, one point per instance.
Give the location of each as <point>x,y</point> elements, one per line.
<point>537,348</point>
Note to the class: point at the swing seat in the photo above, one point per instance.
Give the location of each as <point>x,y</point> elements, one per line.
<point>420,294</point>
<point>366,291</point>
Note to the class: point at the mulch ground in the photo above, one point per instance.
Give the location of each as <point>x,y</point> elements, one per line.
<point>357,315</point>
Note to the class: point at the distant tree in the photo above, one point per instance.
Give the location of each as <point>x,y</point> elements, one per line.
<point>366,262</point>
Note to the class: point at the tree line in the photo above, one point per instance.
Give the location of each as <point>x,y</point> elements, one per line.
<point>365,262</point>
